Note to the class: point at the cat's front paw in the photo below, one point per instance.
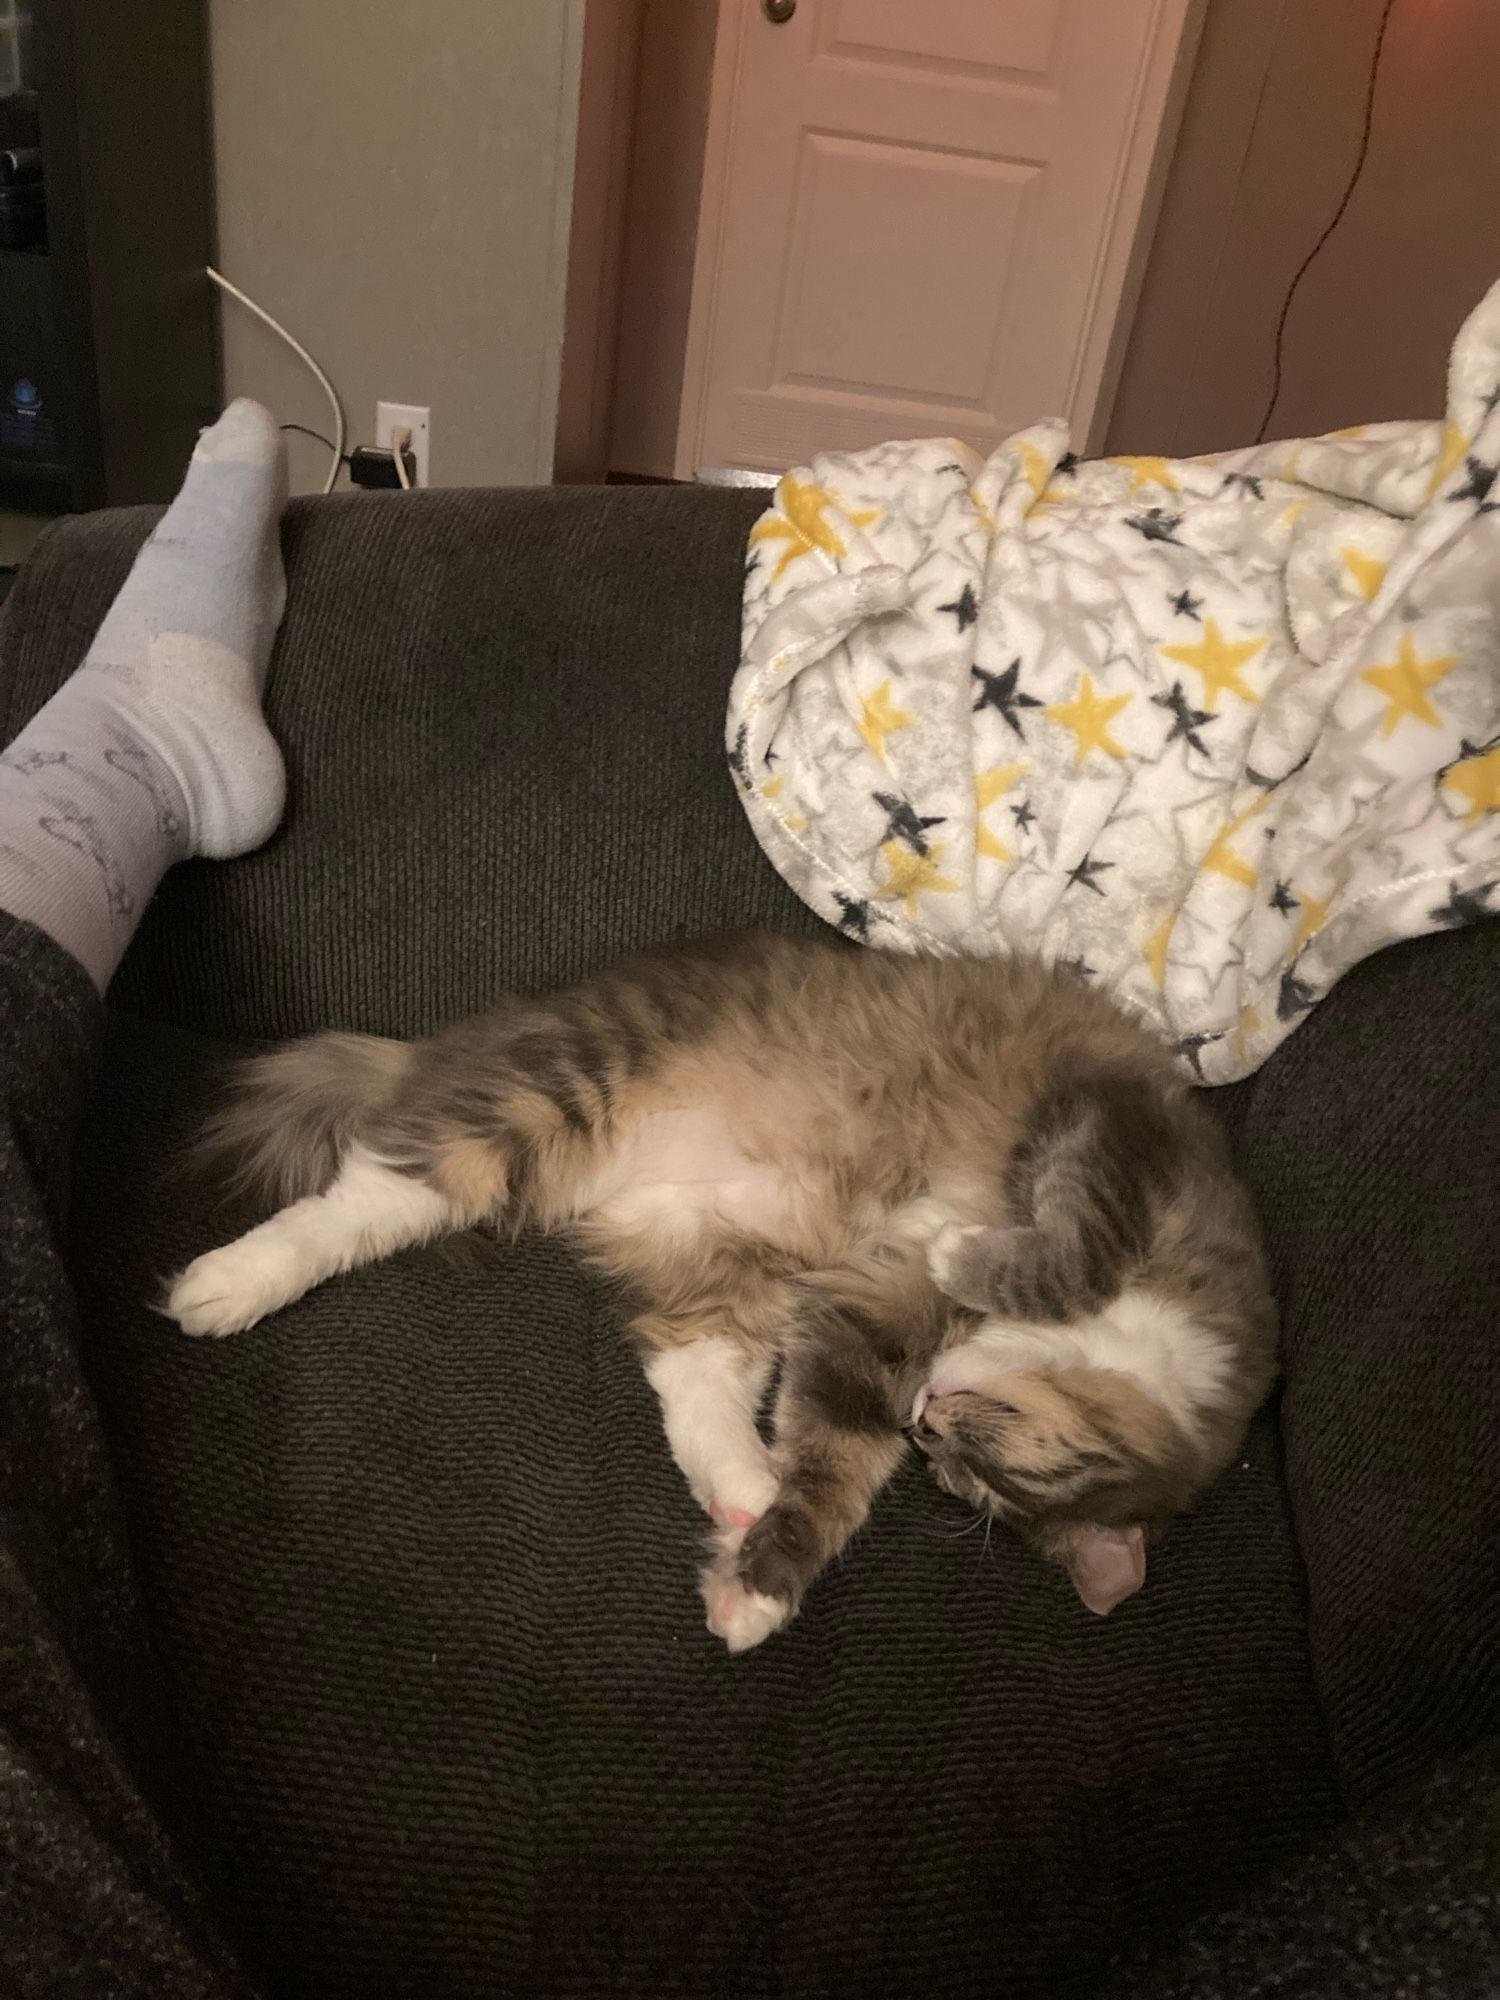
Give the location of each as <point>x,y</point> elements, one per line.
<point>739,1616</point>
<point>962,1260</point>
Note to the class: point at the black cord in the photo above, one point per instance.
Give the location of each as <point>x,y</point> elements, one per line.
<point>327,443</point>
<point>1335,219</point>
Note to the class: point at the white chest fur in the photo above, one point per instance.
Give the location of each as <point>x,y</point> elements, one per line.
<point>674,1170</point>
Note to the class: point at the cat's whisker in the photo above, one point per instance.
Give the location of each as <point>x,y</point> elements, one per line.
<point>957,1534</point>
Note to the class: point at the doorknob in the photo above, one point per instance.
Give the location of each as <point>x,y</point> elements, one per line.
<point>777,11</point>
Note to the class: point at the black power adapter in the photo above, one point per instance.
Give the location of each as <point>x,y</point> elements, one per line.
<point>375,465</point>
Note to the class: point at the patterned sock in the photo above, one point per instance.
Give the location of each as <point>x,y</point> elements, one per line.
<point>156,748</point>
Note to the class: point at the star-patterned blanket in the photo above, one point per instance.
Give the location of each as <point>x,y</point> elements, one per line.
<point>1207,731</point>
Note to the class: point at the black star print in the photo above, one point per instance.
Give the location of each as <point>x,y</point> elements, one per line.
<point>1186,720</point>
<point>1067,465</point>
<point>854,917</point>
<point>952,466</point>
<point>999,691</point>
<point>1185,604</point>
<point>1294,998</point>
<point>1022,815</point>
<point>737,759</point>
<point>965,607</point>
<point>1079,967</point>
<point>1477,486</point>
<point>1488,405</point>
<point>904,823</point>
<point>1246,479</point>
<point>769,759</point>
<point>1464,906</point>
<point>1085,872</point>
<point>1157,525</point>
<point>752,563</point>
<point>1189,1049</point>
<point>1282,899</point>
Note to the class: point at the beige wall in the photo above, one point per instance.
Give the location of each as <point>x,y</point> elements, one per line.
<point>394,182</point>
<point>1269,134</point>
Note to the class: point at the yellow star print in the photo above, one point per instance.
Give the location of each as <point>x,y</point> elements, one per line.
<point>1221,858</point>
<point>1088,717</point>
<point>794,822</point>
<point>912,875</point>
<point>1314,916</point>
<point>1368,571</point>
<point>1148,471</point>
<point>800,523</point>
<point>1455,444</point>
<point>989,786</point>
<point>1219,661</point>
<point>1157,946</point>
<point>1478,779</point>
<point>1034,467</point>
<point>878,719</point>
<point>1405,682</point>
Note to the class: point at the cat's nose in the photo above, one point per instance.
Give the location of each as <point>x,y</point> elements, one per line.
<point>921,1429</point>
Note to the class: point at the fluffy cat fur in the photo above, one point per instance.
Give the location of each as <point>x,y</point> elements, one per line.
<point>965,1202</point>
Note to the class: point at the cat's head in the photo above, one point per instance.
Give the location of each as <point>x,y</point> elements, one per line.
<point>1082,1461</point>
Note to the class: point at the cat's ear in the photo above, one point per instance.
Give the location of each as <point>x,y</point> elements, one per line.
<point>1107,1565</point>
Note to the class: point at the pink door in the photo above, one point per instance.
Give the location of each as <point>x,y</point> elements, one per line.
<point>919,217</point>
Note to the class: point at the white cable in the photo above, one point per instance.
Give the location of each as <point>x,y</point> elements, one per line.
<point>400,439</point>
<point>339,428</point>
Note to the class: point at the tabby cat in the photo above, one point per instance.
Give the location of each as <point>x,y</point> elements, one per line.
<point>964,1202</point>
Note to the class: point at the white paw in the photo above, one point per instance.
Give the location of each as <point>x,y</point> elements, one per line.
<point>739,1494</point>
<point>920,1220</point>
<point>740,1617</point>
<point>946,1253</point>
<point>230,1289</point>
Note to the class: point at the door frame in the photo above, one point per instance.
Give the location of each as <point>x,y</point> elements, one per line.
<point>1161,87</point>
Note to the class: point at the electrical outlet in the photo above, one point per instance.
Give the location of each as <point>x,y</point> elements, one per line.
<point>417,418</point>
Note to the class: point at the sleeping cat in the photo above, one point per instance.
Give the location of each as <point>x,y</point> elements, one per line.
<point>959,1201</point>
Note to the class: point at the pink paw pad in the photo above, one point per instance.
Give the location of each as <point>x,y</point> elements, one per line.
<point>725,1606</point>
<point>733,1517</point>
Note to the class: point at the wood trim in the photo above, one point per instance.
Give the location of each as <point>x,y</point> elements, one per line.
<point>1156,115</point>
<point>601,180</point>
<point>729,56</point>
<point>565,146</point>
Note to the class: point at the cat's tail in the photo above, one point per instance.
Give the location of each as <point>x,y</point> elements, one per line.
<point>291,1115</point>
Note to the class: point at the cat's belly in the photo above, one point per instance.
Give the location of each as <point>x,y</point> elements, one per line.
<point>676,1171</point>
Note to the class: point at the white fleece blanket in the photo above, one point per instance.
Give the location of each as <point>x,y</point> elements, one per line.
<point>1208,731</point>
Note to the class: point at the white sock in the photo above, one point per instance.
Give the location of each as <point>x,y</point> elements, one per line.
<point>156,749</point>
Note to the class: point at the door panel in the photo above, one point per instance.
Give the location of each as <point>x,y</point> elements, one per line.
<point>979,34</point>
<point>918,321</point>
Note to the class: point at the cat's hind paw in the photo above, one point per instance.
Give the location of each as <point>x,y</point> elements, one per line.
<point>229,1289</point>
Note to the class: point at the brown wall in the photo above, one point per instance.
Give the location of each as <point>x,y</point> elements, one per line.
<point>661,228</point>
<point>596,247</point>
<point>1269,135</point>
